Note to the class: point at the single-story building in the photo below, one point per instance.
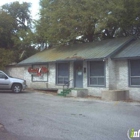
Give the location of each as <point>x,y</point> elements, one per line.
<point>110,64</point>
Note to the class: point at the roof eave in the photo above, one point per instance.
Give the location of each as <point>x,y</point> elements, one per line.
<point>126,58</point>
<point>61,60</point>
<point>111,55</point>
<point>34,63</point>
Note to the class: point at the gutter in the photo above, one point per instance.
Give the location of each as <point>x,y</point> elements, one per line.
<point>28,64</point>
<point>126,58</point>
<point>89,59</point>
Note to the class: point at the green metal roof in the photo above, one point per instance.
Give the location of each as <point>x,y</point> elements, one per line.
<point>83,51</point>
<point>130,51</point>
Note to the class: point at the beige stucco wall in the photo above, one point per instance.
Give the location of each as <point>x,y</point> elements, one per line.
<point>95,91</point>
<point>111,70</point>
<point>15,71</point>
<point>123,79</point>
<point>116,78</point>
<point>22,72</point>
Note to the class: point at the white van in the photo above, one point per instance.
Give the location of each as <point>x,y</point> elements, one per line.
<point>10,83</point>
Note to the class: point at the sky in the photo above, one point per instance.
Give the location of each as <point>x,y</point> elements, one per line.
<point>34,8</point>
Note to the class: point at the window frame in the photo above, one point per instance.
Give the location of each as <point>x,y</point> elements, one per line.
<point>129,74</point>
<point>32,76</point>
<point>88,75</point>
<point>60,84</point>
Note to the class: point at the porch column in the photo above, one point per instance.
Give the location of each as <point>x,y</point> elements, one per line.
<point>112,75</point>
<point>71,75</point>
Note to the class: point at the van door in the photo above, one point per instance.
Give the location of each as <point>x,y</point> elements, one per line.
<point>4,81</point>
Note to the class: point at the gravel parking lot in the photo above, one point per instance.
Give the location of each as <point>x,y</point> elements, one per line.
<point>34,115</point>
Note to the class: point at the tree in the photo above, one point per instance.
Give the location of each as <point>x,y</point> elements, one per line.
<point>6,57</point>
<point>122,18</point>
<point>24,46</point>
<point>61,21</point>
<point>17,19</point>
<point>6,30</point>
<point>16,29</point>
<point>20,13</point>
<point>14,18</point>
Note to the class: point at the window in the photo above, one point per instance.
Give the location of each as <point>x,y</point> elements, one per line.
<point>134,75</point>
<point>39,77</point>
<point>62,73</point>
<point>2,76</point>
<point>96,73</point>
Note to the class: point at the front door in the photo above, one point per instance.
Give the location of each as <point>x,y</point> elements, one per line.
<point>78,74</point>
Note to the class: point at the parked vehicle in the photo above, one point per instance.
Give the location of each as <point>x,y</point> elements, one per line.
<point>9,83</point>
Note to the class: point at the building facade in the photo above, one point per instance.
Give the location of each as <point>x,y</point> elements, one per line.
<point>107,65</point>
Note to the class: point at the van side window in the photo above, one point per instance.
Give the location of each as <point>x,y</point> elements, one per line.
<point>2,76</point>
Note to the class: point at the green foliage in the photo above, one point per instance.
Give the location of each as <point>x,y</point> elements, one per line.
<point>22,54</point>
<point>6,57</point>
<point>61,21</point>
<point>15,31</point>
<point>15,20</point>
<point>20,13</point>
<point>6,30</point>
<point>124,15</point>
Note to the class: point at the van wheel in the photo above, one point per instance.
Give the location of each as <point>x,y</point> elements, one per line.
<point>16,88</point>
